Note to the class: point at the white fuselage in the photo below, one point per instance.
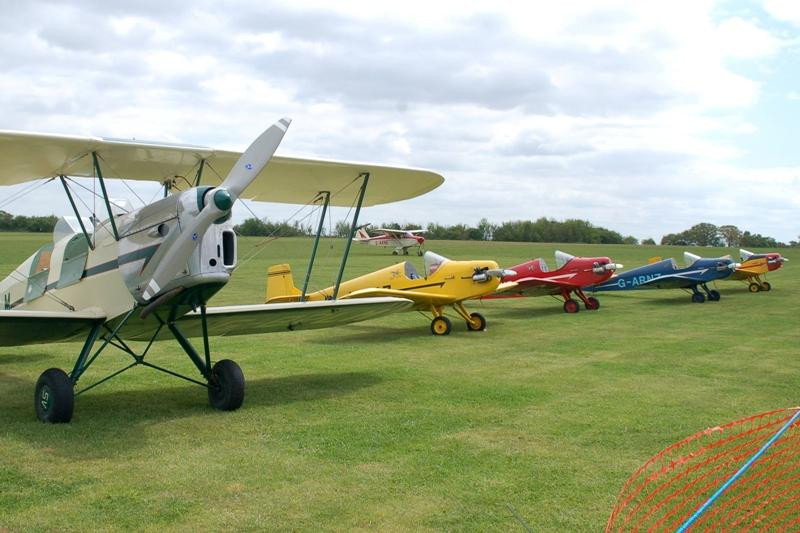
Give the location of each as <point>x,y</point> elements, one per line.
<point>68,275</point>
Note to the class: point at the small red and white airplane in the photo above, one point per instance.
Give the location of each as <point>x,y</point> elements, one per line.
<point>533,278</point>
<point>400,239</point>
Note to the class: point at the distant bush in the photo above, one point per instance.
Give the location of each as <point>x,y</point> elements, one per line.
<point>37,224</point>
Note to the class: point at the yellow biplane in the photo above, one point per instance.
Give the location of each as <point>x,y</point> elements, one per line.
<point>445,283</point>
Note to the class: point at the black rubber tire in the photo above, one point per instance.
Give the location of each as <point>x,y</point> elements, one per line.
<point>571,306</point>
<point>481,322</point>
<point>754,287</point>
<point>698,298</point>
<point>766,286</point>
<point>394,252</point>
<point>405,252</point>
<point>713,296</point>
<point>592,303</point>
<point>226,386</point>
<point>54,398</point>
<point>441,326</point>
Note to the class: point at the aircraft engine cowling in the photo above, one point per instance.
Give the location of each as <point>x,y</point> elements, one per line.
<point>144,231</point>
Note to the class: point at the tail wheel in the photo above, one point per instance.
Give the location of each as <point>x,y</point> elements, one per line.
<point>571,306</point>
<point>441,325</point>
<point>698,298</point>
<point>713,296</point>
<point>754,287</point>
<point>766,286</point>
<point>592,303</point>
<point>226,386</point>
<point>477,322</point>
<point>54,397</point>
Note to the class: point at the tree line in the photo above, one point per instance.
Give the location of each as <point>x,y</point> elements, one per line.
<point>706,234</point>
<point>36,224</point>
<point>540,230</point>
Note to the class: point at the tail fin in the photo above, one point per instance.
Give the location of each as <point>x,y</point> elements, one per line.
<point>361,235</point>
<point>280,284</point>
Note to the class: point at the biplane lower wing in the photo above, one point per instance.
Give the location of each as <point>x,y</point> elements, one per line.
<point>37,327</point>
<point>269,318</point>
<point>422,300</point>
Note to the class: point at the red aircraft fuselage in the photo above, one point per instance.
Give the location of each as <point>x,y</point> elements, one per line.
<point>533,278</point>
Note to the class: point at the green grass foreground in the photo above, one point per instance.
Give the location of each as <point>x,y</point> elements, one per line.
<point>379,425</point>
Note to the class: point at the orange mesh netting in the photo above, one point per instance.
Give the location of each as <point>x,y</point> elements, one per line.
<point>667,490</point>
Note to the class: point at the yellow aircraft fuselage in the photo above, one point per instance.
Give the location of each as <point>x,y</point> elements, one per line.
<point>449,284</point>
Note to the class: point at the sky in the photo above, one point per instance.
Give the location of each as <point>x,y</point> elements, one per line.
<point>642,117</point>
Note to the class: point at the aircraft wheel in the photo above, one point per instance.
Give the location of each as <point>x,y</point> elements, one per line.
<point>478,323</point>
<point>405,252</point>
<point>54,397</point>
<point>766,286</point>
<point>571,306</point>
<point>592,303</point>
<point>394,252</point>
<point>226,386</point>
<point>713,296</point>
<point>441,325</point>
<point>754,287</point>
<point>698,298</point>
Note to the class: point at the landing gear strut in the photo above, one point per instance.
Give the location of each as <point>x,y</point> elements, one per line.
<point>55,393</point>
<point>572,306</point>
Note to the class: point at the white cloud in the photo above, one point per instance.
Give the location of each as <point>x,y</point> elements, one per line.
<point>611,113</point>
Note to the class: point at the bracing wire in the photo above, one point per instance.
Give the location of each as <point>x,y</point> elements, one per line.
<point>115,173</point>
<point>27,190</point>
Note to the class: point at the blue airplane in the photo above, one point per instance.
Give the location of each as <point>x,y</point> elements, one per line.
<point>665,274</point>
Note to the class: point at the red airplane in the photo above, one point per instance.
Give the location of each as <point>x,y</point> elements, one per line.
<point>533,278</point>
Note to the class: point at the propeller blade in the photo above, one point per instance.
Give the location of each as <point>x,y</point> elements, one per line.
<point>175,251</point>
<point>254,159</point>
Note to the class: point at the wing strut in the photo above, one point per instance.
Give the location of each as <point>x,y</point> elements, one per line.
<point>327,200</point>
<point>75,210</point>
<point>105,195</point>
<point>363,190</point>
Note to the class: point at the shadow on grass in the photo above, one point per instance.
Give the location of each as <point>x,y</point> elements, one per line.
<point>108,423</point>
<point>16,358</point>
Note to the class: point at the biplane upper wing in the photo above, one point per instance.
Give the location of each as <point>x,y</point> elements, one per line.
<point>420,299</point>
<point>35,327</point>
<point>29,156</point>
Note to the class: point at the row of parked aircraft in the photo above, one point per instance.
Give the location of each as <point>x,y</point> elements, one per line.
<point>147,274</point>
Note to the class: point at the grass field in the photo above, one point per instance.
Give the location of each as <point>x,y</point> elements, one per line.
<point>379,425</point>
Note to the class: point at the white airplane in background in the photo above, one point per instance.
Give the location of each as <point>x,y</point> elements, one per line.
<point>400,239</point>
<point>147,274</point>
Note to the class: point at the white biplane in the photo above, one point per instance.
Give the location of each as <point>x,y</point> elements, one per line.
<point>147,274</point>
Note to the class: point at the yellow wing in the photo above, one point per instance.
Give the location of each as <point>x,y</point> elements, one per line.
<point>28,156</point>
<point>420,299</point>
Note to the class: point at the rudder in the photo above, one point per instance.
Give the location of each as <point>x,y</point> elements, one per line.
<point>280,284</point>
